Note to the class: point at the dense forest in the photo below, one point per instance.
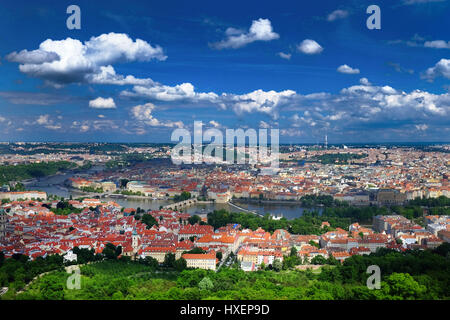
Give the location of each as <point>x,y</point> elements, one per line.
<point>33,170</point>
<point>404,275</point>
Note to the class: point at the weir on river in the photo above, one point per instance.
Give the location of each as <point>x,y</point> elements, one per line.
<point>243,209</point>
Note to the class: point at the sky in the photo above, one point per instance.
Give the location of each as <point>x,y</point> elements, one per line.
<point>138,70</point>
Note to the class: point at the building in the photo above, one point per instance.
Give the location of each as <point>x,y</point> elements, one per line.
<point>196,230</point>
<point>259,256</point>
<point>23,195</point>
<point>158,253</point>
<point>205,261</point>
<point>70,256</point>
<point>109,186</point>
<point>248,266</point>
<point>390,197</point>
<point>3,222</point>
<point>444,235</point>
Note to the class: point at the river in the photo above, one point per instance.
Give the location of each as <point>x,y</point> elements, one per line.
<point>54,185</point>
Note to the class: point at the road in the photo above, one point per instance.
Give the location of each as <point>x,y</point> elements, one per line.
<point>3,290</point>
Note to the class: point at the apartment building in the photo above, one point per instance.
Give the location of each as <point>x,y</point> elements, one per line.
<point>205,261</point>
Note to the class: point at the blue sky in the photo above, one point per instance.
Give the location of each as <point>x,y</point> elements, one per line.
<point>137,70</point>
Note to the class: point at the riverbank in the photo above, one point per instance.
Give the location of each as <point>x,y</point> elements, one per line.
<point>268,201</point>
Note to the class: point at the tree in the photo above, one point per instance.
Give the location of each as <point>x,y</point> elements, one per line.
<point>294,252</point>
<point>169,260</point>
<point>206,284</point>
<point>51,288</point>
<point>149,220</point>
<point>277,265</point>
<point>111,252</point>
<point>151,262</point>
<point>402,286</point>
<point>196,250</point>
<point>219,255</point>
<point>180,264</point>
<point>318,260</point>
<point>123,183</point>
<point>194,219</point>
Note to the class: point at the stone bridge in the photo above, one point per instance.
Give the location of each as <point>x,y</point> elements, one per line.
<point>179,205</point>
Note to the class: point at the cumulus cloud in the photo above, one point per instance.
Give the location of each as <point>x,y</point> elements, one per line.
<point>440,69</point>
<point>107,75</point>
<point>309,46</point>
<point>364,81</point>
<point>45,121</point>
<point>102,103</point>
<point>283,55</point>
<point>143,113</point>
<point>258,101</point>
<point>88,62</point>
<point>347,69</point>
<point>42,119</point>
<point>437,44</point>
<point>372,111</point>
<point>33,57</point>
<point>260,30</point>
<point>337,14</point>
<point>184,91</point>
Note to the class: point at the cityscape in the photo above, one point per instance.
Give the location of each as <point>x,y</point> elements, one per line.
<point>188,153</point>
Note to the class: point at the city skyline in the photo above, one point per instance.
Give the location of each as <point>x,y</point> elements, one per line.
<point>135,73</point>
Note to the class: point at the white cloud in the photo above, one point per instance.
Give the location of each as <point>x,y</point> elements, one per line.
<point>82,62</point>
<point>291,132</point>
<point>215,124</point>
<point>102,103</point>
<point>347,69</point>
<point>143,113</point>
<point>369,108</point>
<point>421,127</point>
<point>337,14</point>
<point>184,91</point>
<point>437,44</point>
<point>42,119</point>
<point>283,55</point>
<point>107,75</point>
<point>364,81</point>
<point>258,101</point>
<point>309,46</point>
<point>440,69</point>
<point>32,57</point>
<point>45,121</point>
<point>264,125</point>
<point>260,30</point>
